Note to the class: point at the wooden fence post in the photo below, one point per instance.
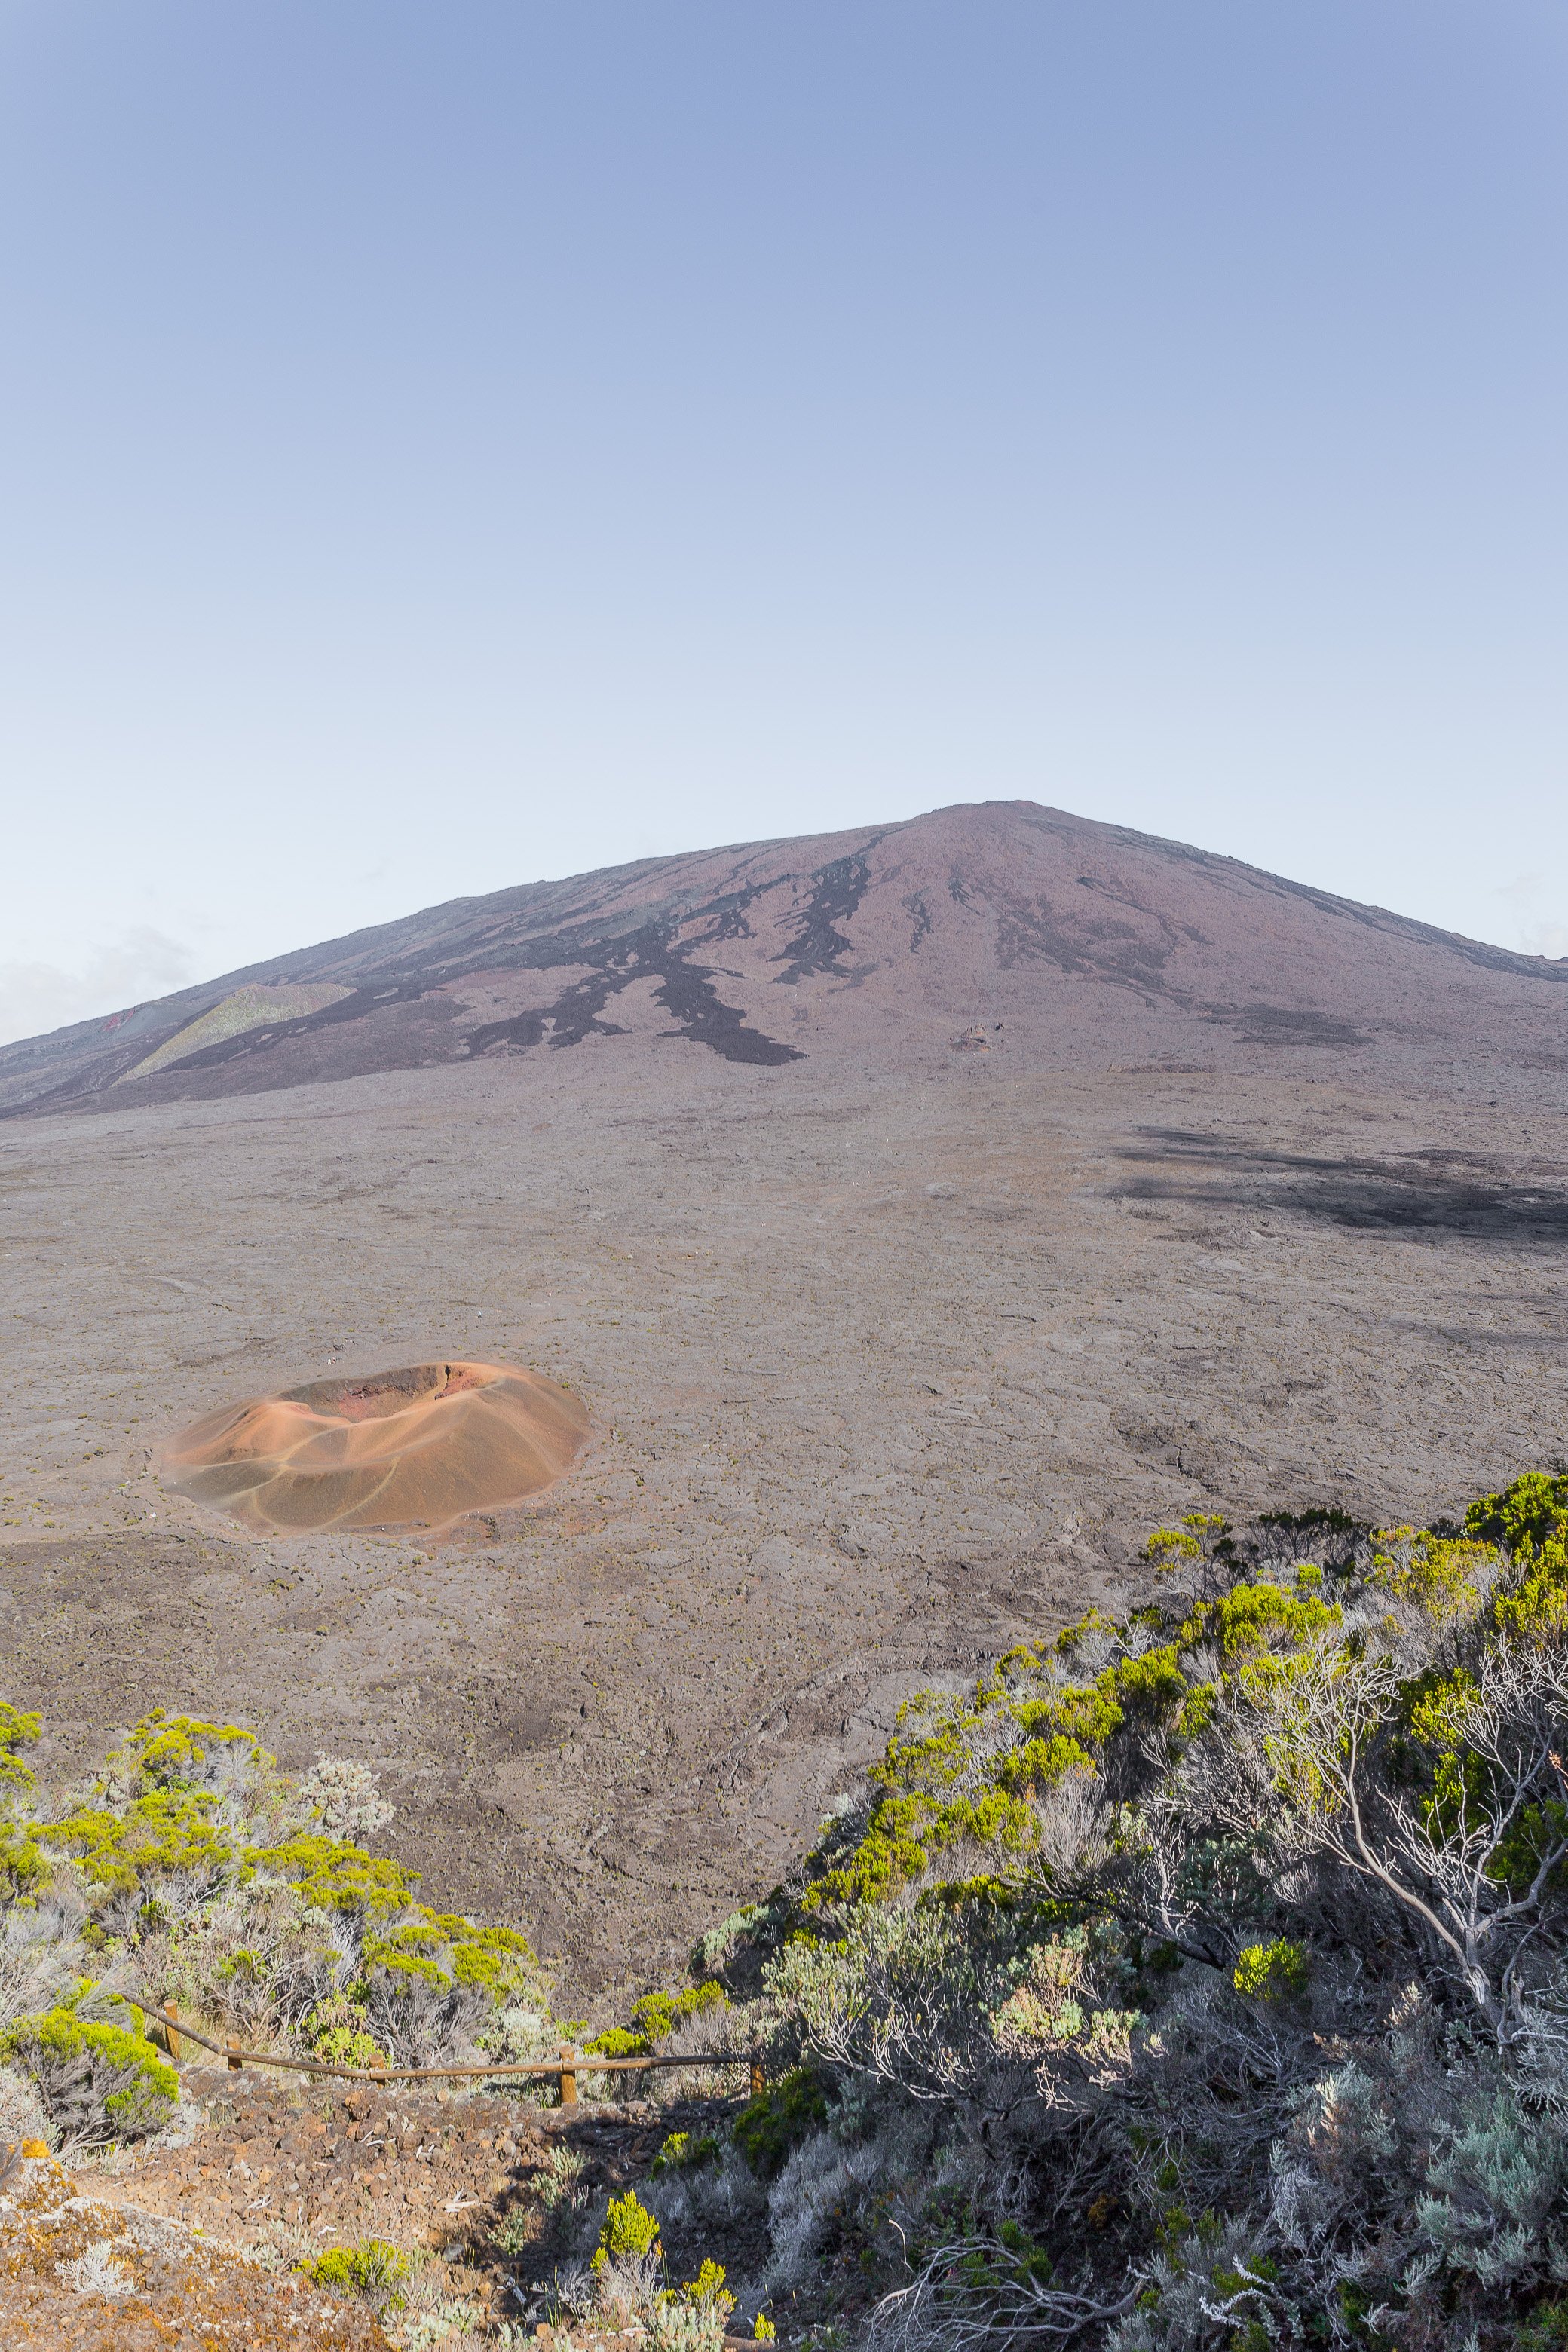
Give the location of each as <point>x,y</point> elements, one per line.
<point>568,2078</point>
<point>172,2029</point>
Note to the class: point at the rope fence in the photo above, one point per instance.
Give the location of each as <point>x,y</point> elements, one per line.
<point>565,2068</point>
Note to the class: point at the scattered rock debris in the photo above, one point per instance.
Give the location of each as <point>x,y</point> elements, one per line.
<point>193,2240</point>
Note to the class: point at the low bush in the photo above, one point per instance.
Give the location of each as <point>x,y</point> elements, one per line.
<point>337,2031</point>
<point>686,2152</point>
<point>191,1868</point>
<point>777,2119</point>
<point>374,2271</point>
<point>96,2081</point>
<point>617,2043</point>
<point>629,2232</point>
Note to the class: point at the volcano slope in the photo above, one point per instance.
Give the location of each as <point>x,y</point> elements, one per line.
<point>919,1213</point>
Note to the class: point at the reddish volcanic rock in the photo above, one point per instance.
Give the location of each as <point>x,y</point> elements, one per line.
<point>417,1448</point>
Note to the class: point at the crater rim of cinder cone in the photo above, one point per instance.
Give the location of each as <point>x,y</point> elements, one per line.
<point>413,1449</point>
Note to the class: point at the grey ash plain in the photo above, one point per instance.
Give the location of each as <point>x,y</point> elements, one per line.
<point>900,1328</point>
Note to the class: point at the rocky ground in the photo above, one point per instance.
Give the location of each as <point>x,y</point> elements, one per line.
<point>83,2273</point>
<point>201,2232</point>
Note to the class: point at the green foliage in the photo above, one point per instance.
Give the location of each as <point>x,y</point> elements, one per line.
<point>977,1771</point>
<point>374,2271</point>
<point>630,2232</point>
<point>617,2043</point>
<point>707,2290</point>
<point>948,1781</point>
<point>496,1960</point>
<point>682,2152</point>
<point>16,1730</point>
<point>1203,1535</point>
<point>1168,1547</point>
<point>177,1751</point>
<point>1272,1971</point>
<point>1533,1511</point>
<point>166,1833</point>
<point>1254,1620</point>
<point>96,2081</point>
<point>423,1956</point>
<point>210,1867</point>
<point>1342,1787</point>
<point>777,2118</point>
<point>1533,1604</point>
<point>328,1873</point>
<point>1442,1574</point>
<point>657,2014</point>
<point>24,1865</point>
<point>338,2031</point>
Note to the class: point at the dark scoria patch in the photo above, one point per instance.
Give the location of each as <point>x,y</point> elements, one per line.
<point>1433,1193</point>
<point>685,992</point>
<point>836,891</point>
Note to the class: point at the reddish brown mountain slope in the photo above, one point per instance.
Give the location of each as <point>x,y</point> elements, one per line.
<point>1094,946</point>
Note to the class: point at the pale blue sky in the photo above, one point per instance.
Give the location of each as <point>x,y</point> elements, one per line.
<point>447,445</point>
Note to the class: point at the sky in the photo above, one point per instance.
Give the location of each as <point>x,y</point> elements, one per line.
<point>447,446</point>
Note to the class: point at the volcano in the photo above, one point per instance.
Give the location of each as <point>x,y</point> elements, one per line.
<point>1091,945</point>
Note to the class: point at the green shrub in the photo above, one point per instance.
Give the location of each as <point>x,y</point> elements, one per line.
<point>707,2290</point>
<point>1274,1971</point>
<point>330,1874</point>
<point>24,1865</point>
<point>657,2014</point>
<point>375,2271</point>
<point>630,2232</point>
<point>682,2153</point>
<point>337,2032</point>
<point>16,1730</point>
<point>166,1834</point>
<point>617,2043</point>
<point>177,1751</point>
<point>777,2119</point>
<point>1442,1573</point>
<point>1524,1516</point>
<point>96,2081</point>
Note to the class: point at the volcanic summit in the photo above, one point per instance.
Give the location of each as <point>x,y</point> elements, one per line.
<point>1090,944</point>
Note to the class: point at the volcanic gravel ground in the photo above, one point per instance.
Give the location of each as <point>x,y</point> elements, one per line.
<point>85,2271</point>
<point>888,1367</point>
<point>265,2172</point>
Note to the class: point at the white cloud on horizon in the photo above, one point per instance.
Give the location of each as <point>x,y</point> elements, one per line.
<point>1538,933</point>
<point>36,997</point>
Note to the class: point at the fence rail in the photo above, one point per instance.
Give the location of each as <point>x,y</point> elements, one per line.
<point>565,2068</point>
